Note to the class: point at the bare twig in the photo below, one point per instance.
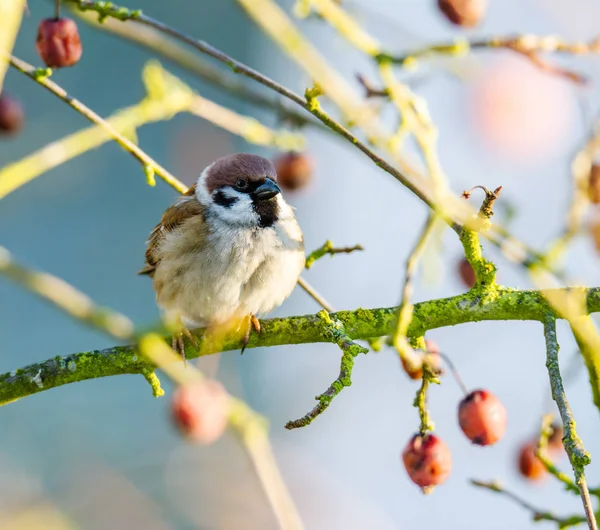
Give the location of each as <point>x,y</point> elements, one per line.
<point>128,145</point>
<point>537,515</point>
<point>334,331</point>
<point>405,310</point>
<point>578,456</point>
<point>328,248</point>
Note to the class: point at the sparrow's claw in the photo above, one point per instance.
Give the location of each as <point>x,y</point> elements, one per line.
<point>252,323</point>
<point>178,342</point>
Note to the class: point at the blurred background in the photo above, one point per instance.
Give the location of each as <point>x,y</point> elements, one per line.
<point>102,454</point>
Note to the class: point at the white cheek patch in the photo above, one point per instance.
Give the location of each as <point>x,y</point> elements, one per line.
<point>201,192</point>
<point>241,212</point>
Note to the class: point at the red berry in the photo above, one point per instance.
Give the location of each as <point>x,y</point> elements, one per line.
<point>11,115</point>
<point>294,170</point>
<point>200,410</point>
<point>58,42</point>
<point>427,460</point>
<point>466,13</point>
<point>482,417</point>
<point>555,444</point>
<point>530,466</point>
<point>434,359</point>
<point>466,273</point>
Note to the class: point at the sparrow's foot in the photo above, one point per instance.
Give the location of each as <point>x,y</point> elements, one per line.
<point>178,342</point>
<point>252,323</point>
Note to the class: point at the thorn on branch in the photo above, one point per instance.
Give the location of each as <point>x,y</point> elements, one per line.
<point>328,248</point>
<point>334,331</point>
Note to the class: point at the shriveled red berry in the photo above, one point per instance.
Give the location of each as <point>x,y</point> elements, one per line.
<point>465,13</point>
<point>58,42</point>
<point>555,444</point>
<point>466,273</point>
<point>594,184</point>
<point>530,466</point>
<point>427,460</point>
<point>482,417</point>
<point>294,170</point>
<point>11,115</point>
<point>594,231</point>
<point>434,360</point>
<point>200,410</point>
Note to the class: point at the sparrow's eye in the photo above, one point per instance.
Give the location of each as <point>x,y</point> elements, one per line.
<point>241,184</point>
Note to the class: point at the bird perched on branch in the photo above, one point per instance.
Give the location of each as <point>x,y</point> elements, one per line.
<point>228,250</point>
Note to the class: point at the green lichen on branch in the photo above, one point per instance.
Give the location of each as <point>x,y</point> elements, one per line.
<point>154,383</point>
<point>328,248</point>
<point>333,331</point>
<point>578,456</point>
<point>359,324</point>
<point>107,9</point>
<point>485,270</point>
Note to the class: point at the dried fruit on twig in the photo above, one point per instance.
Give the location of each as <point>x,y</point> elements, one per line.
<point>530,466</point>
<point>433,359</point>
<point>594,230</point>
<point>594,184</point>
<point>58,42</point>
<point>294,170</point>
<point>482,417</point>
<point>465,13</point>
<point>200,410</point>
<point>466,273</point>
<point>555,443</point>
<point>11,115</point>
<point>427,460</point>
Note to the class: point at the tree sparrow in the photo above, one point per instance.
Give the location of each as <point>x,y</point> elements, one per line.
<point>229,249</point>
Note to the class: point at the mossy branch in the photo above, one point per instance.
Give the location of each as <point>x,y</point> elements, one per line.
<point>328,248</point>
<point>333,331</point>
<point>360,324</point>
<point>485,270</point>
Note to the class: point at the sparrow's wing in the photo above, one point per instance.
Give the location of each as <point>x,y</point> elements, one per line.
<point>185,208</point>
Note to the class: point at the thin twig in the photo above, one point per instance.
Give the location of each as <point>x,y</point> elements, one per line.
<point>529,46</point>
<point>128,145</point>
<point>315,295</point>
<point>150,38</point>
<point>405,310</point>
<point>578,456</point>
<point>328,248</point>
<point>537,515</point>
<point>334,332</point>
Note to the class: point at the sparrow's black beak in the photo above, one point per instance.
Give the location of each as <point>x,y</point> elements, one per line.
<point>266,191</point>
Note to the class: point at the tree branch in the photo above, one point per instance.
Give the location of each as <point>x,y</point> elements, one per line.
<point>537,515</point>
<point>336,333</point>
<point>360,324</point>
<point>147,162</point>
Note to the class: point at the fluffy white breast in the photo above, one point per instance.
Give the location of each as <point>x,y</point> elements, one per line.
<point>241,271</point>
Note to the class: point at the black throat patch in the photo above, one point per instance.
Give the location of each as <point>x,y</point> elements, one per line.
<point>267,211</point>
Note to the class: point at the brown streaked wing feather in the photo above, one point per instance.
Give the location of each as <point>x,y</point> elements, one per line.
<point>173,217</point>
